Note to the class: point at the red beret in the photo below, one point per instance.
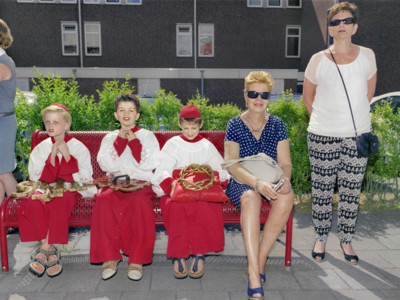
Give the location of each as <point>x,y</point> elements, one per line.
<point>190,112</point>
<point>61,106</point>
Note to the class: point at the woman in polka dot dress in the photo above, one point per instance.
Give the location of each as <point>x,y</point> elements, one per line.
<point>252,132</point>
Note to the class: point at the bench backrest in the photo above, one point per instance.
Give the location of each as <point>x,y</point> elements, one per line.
<point>92,140</point>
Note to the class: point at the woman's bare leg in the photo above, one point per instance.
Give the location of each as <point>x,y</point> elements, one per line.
<point>250,224</point>
<point>277,218</point>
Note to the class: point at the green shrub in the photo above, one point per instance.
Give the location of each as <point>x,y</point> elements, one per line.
<point>383,168</point>
<point>294,114</point>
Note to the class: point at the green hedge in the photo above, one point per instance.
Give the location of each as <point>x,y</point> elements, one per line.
<point>89,113</point>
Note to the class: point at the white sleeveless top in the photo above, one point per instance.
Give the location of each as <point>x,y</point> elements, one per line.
<point>330,114</point>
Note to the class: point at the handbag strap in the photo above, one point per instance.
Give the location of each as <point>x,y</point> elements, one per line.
<point>345,89</point>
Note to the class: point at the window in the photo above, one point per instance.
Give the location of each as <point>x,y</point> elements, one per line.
<point>206,40</point>
<point>133,1</point>
<point>69,36</point>
<point>92,39</point>
<point>293,35</point>
<point>47,1</point>
<point>254,3</point>
<point>184,38</point>
<point>90,1</point>
<point>113,1</point>
<point>22,1</point>
<point>293,3</point>
<point>274,3</point>
<point>68,1</point>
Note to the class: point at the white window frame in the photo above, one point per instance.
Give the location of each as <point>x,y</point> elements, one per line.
<point>182,34</point>
<point>87,2</point>
<point>139,3</point>
<point>255,5</point>
<point>112,3</point>
<point>25,1</point>
<point>202,35</point>
<point>92,33</point>
<point>69,23</point>
<point>287,36</point>
<point>47,1</point>
<point>275,6</point>
<point>294,6</point>
<point>68,1</point>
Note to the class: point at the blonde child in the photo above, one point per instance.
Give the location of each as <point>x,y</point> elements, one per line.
<point>58,157</point>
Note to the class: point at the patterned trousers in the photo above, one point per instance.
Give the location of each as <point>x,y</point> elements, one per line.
<point>334,160</point>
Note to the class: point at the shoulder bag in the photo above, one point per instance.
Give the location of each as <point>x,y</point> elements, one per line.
<point>260,165</point>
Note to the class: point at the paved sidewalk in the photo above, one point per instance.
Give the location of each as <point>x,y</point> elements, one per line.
<point>377,276</point>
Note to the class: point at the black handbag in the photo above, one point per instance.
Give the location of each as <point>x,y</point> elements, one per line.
<point>367,143</point>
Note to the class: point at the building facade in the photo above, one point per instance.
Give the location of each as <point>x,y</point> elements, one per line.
<point>185,46</point>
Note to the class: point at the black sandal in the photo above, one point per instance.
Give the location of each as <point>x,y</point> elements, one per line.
<point>194,272</point>
<point>317,256</point>
<point>353,259</point>
<point>182,273</point>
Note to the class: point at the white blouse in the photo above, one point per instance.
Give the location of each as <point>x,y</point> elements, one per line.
<point>126,164</point>
<point>178,153</point>
<point>330,114</point>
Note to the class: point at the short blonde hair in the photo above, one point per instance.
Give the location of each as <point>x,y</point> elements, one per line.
<point>6,38</point>
<point>54,108</point>
<point>343,6</point>
<point>258,77</point>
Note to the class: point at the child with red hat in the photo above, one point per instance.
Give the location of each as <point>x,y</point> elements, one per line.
<point>194,228</point>
<point>59,157</point>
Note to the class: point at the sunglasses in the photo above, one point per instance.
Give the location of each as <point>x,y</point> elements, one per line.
<point>336,22</point>
<point>254,95</point>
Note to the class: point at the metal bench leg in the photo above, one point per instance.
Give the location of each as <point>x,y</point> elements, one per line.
<point>3,244</point>
<point>288,249</point>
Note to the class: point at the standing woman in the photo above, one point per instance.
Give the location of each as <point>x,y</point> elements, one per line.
<point>8,122</point>
<point>331,142</point>
<point>250,133</point>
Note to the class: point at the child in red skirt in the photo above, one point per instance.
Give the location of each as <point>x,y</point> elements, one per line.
<point>58,157</point>
<point>194,228</point>
<point>124,221</point>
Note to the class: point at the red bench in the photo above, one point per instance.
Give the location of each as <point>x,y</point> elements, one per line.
<point>83,208</point>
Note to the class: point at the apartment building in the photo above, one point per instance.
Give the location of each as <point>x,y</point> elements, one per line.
<point>185,46</point>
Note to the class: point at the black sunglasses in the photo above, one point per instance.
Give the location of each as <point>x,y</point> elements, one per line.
<point>336,22</point>
<point>254,95</point>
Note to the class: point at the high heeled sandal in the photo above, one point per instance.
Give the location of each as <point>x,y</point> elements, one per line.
<point>353,259</point>
<point>182,271</point>
<point>262,278</point>
<point>317,256</point>
<point>251,292</point>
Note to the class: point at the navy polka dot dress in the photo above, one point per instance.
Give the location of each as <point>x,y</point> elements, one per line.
<point>237,131</point>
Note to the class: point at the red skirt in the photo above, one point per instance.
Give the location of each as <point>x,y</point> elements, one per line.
<point>38,219</point>
<point>123,222</point>
<point>193,227</point>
